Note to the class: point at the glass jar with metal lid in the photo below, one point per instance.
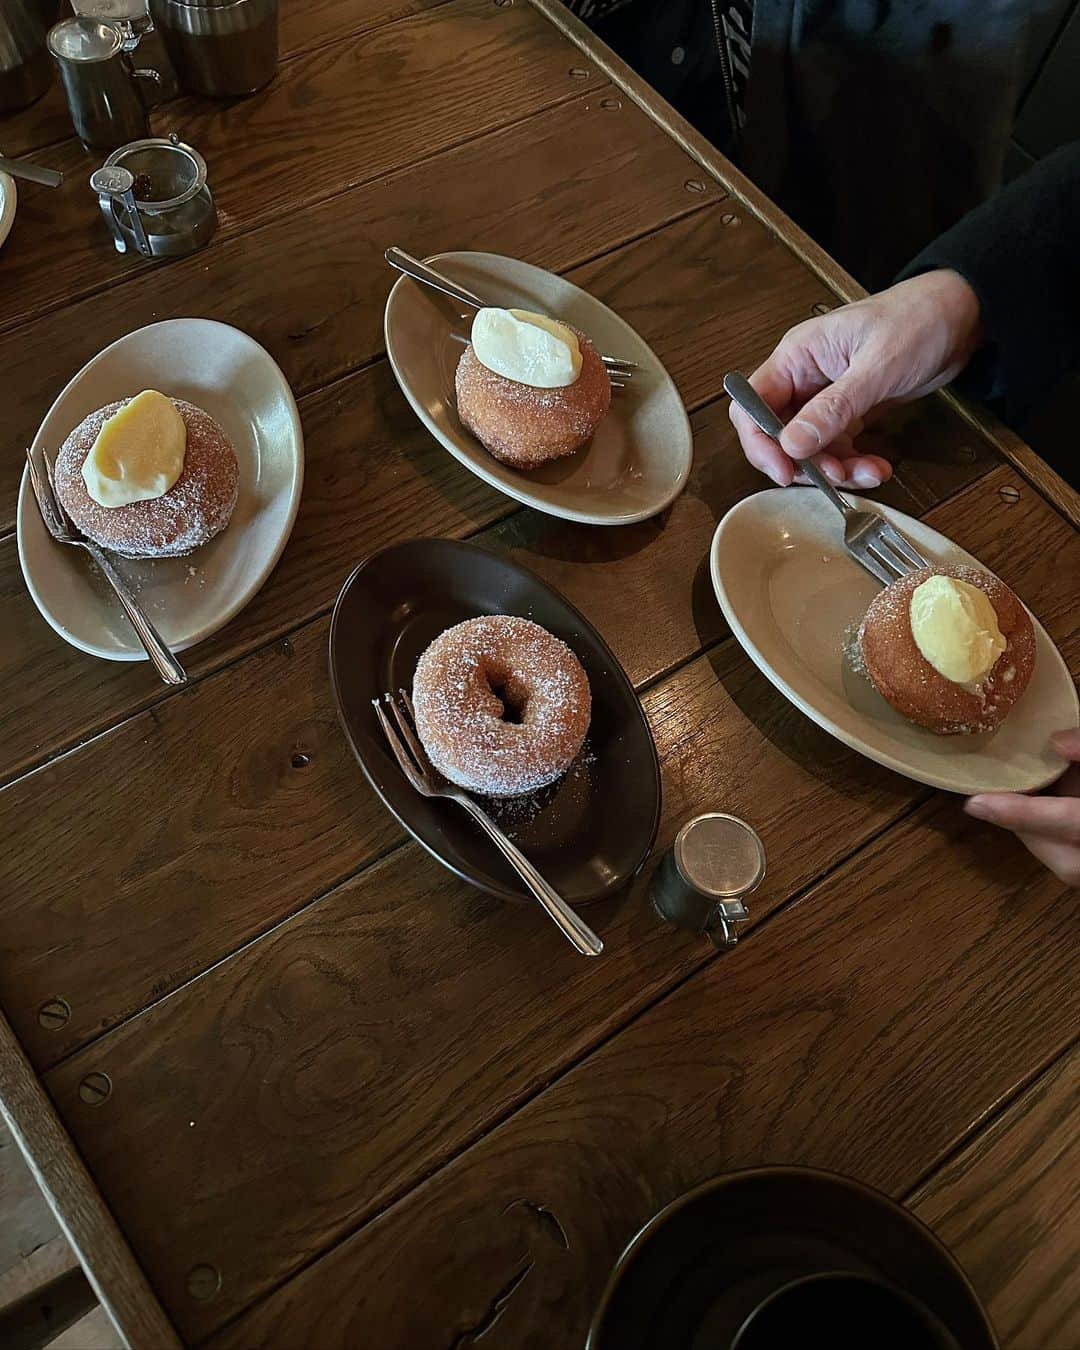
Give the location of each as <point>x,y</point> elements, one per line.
<point>716,861</point>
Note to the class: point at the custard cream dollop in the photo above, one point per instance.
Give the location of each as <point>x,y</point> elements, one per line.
<point>955,627</point>
<point>139,452</point>
<point>525,347</point>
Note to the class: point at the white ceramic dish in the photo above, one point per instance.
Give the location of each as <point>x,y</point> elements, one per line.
<point>793,598</point>
<point>640,458</point>
<point>229,375</point>
<point>9,196</point>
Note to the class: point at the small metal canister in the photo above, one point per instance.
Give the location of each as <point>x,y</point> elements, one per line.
<point>104,91</point>
<point>224,48</point>
<point>155,198</point>
<point>701,883</point>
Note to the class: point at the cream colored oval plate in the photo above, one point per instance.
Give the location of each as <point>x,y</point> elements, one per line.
<point>638,461</point>
<point>229,375</point>
<point>9,197</point>
<point>794,598</point>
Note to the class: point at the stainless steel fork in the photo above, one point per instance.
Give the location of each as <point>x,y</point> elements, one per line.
<point>869,538</point>
<point>621,372</point>
<point>59,525</point>
<point>406,748</point>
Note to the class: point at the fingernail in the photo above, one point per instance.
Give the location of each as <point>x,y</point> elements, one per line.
<point>834,474</point>
<point>866,478</point>
<point>980,808</point>
<point>801,438</point>
<point>1065,742</point>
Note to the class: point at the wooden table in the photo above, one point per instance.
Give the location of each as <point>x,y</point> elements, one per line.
<point>326,1094</point>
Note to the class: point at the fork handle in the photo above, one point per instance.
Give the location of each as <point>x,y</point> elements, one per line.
<point>413,267</point>
<point>166,665</point>
<point>575,929</point>
<point>742,392</point>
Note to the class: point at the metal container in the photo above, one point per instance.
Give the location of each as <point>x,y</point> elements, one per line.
<point>25,68</point>
<point>701,883</point>
<point>155,198</point>
<point>102,86</point>
<point>224,48</point>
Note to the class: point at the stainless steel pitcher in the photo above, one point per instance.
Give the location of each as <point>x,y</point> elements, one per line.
<point>25,68</point>
<point>224,48</point>
<point>103,88</point>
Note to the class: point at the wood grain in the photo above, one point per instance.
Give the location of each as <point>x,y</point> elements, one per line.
<point>1008,1206</point>
<point>372,1036</point>
<point>558,189</point>
<point>272,708</point>
<point>303,24</point>
<point>373,475</point>
<point>88,1225</point>
<point>344,114</point>
<point>863,1029</point>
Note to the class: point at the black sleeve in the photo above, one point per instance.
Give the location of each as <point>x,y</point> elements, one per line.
<point>1020,252</point>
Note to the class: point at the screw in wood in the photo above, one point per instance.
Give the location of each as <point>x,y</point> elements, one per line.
<point>820,308</point>
<point>577,73</point>
<point>729,220</point>
<point>1008,493</point>
<point>694,185</point>
<point>203,1282</point>
<point>95,1088</point>
<point>611,104</point>
<point>300,760</point>
<point>53,1013</point>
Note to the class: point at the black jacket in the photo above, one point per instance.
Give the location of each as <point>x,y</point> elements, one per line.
<point>1020,252</point>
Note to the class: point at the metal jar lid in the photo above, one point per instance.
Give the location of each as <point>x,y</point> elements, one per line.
<point>720,856</point>
<point>82,39</point>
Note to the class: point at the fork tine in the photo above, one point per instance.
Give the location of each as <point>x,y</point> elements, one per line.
<point>399,752</point>
<point>617,361</point>
<point>61,514</point>
<point>876,569</point>
<point>45,504</point>
<point>902,545</point>
<point>892,561</point>
<point>401,706</point>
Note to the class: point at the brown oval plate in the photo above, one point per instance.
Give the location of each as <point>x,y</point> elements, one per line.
<point>593,831</point>
<point>699,1268</point>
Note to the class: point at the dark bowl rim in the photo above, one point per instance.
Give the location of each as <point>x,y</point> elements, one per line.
<point>662,1216</point>
<point>502,892</point>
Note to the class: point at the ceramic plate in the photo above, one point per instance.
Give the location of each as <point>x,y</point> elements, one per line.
<point>590,833</point>
<point>696,1271</point>
<point>8,198</point>
<point>638,461</point>
<point>235,381</point>
<point>794,598</point>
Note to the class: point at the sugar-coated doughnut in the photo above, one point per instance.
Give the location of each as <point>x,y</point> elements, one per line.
<point>502,706</point>
<point>907,680</point>
<point>198,506</point>
<point>525,426</point>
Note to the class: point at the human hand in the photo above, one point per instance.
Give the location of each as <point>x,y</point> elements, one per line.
<point>1048,825</point>
<point>827,374</point>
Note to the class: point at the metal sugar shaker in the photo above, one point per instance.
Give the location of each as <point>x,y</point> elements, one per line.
<point>716,861</point>
<point>155,198</point>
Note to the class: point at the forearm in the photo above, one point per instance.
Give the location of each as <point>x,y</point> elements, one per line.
<point>1020,253</point>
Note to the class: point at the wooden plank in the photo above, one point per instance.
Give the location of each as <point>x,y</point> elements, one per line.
<point>374,1035</point>
<point>178,779</point>
<point>1008,1206</point>
<point>47,1311</point>
<point>88,1225</point>
<point>362,489</point>
<point>726,739</point>
<point>558,189</point>
<point>27,1228</point>
<point>304,24</point>
<point>863,1029</point>
<point>335,117</point>
<point>93,1332</point>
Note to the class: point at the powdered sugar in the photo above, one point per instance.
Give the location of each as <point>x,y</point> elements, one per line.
<point>197,506</point>
<point>472,677</point>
